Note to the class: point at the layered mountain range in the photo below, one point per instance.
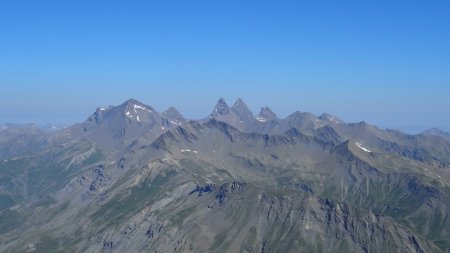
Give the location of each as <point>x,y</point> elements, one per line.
<point>132,179</point>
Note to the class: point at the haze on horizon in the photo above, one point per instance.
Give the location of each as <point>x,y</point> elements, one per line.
<point>385,63</point>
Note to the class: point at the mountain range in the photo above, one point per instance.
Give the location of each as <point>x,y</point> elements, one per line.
<point>132,179</point>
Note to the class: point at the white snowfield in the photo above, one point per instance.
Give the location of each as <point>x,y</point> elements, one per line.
<point>333,119</point>
<point>260,119</point>
<point>175,122</point>
<point>189,151</point>
<point>139,107</point>
<point>137,114</point>
<point>361,147</point>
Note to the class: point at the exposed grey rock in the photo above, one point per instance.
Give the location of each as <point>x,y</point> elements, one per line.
<point>232,183</point>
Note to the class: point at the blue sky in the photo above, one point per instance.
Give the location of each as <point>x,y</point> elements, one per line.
<point>385,62</point>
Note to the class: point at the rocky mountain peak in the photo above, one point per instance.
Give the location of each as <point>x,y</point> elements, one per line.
<point>241,110</point>
<point>265,114</point>
<point>221,108</point>
<point>370,187</point>
<point>239,104</point>
<point>138,111</point>
<point>301,116</point>
<point>331,118</point>
<point>174,115</point>
<point>135,104</point>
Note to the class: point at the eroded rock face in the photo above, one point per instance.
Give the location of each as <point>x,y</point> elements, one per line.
<point>130,179</point>
<point>222,192</point>
<point>226,190</point>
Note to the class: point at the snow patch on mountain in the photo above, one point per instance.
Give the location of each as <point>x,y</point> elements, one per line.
<point>189,151</point>
<point>175,122</point>
<point>139,107</point>
<point>359,145</point>
<point>261,119</point>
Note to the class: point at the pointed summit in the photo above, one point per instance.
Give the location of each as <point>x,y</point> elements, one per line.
<point>172,111</point>
<point>265,114</point>
<point>123,123</point>
<point>239,103</point>
<point>238,116</point>
<point>133,105</point>
<point>132,102</point>
<point>137,111</point>
<point>221,108</point>
<point>241,110</point>
<point>173,115</point>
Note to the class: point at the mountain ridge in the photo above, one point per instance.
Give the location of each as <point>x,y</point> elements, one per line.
<point>128,179</point>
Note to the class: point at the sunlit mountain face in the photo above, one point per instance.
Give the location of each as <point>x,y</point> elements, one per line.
<point>132,179</point>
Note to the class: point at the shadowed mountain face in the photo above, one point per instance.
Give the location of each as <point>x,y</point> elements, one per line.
<point>131,179</point>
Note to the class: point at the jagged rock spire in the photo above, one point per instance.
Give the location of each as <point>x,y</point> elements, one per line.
<point>266,114</point>
<point>221,108</point>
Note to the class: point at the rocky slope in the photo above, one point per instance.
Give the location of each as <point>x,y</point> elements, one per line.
<point>130,179</point>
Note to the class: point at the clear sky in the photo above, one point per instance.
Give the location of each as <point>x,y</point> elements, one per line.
<point>385,62</point>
